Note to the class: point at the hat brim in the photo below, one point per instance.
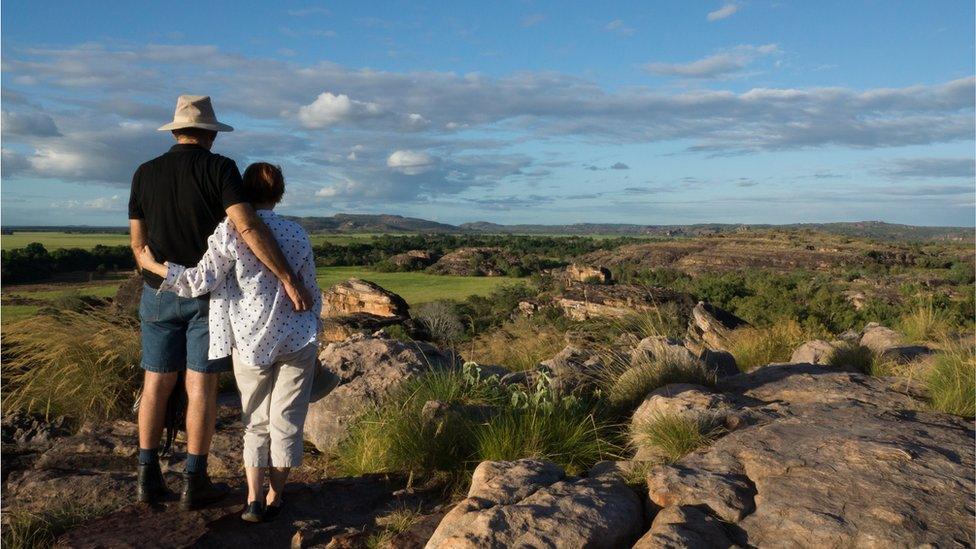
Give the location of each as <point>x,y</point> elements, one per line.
<point>216,127</point>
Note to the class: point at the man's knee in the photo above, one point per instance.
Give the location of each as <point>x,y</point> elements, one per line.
<point>159,385</point>
<point>201,386</point>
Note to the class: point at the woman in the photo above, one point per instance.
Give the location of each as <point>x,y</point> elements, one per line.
<point>251,318</point>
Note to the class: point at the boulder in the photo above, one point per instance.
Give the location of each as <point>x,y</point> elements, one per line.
<point>588,273</point>
<point>837,459</point>
<point>683,399</point>
<point>413,260</point>
<point>573,369</point>
<point>720,363</point>
<point>582,301</point>
<point>369,367</point>
<point>532,503</point>
<point>816,351</point>
<point>685,526</point>
<point>655,348</point>
<point>879,338</point>
<point>343,327</point>
<point>356,296</point>
<point>528,307</point>
<point>477,261</point>
<point>710,327</point>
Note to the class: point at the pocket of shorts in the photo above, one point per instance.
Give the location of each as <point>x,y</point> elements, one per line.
<point>149,304</point>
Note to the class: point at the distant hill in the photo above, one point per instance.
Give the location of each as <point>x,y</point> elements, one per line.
<point>369,223</point>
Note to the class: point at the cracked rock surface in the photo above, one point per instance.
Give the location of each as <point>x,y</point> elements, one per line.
<point>834,459</point>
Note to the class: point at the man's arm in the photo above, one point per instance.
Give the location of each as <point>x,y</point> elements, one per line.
<point>137,236</point>
<point>259,239</point>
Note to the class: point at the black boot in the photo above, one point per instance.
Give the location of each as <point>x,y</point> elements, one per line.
<point>151,487</point>
<point>198,491</point>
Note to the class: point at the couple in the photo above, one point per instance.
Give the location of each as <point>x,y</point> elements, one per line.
<point>228,284</point>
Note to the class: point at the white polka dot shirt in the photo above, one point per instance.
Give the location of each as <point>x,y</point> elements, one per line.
<point>249,309</point>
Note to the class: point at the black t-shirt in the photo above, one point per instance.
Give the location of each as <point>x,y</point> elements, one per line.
<point>182,196</point>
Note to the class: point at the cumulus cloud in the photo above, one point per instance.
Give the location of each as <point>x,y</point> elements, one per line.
<point>924,168</point>
<point>727,10</point>
<point>721,64</point>
<point>35,124</point>
<point>329,109</point>
<point>410,162</point>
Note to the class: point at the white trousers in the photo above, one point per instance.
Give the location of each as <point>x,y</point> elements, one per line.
<point>274,402</point>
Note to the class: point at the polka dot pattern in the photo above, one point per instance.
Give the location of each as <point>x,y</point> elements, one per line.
<point>249,309</point>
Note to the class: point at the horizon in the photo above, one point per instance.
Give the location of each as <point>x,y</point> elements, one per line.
<point>724,112</point>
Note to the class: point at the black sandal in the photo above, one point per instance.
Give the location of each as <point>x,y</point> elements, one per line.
<point>255,512</point>
<point>272,511</point>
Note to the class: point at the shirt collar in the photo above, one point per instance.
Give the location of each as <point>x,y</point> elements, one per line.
<point>186,147</point>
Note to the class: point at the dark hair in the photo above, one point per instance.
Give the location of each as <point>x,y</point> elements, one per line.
<point>263,183</point>
<point>198,134</point>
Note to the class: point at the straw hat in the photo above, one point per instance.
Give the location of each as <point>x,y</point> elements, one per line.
<point>195,111</point>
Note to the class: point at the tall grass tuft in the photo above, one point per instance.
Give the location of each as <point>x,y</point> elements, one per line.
<point>672,436</point>
<point>853,356</point>
<point>951,381</point>
<point>83,365</point>
<point>626,383</point>
<point>518,345</point>
<point>925,323</point>
<point>25,529</point>
<point>754,347</point>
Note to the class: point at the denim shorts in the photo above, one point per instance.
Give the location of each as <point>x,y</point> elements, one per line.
<point>175,333</point>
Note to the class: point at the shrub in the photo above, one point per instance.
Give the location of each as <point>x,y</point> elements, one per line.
<point>25,529</point>
<point>925,322</point>
<point>626,385</point>
<point>952,381</point>
<point>753,347</point>
<point>853,355</point>
<point>83,365</point>
<point>441,320</point>
<point>672,436</point>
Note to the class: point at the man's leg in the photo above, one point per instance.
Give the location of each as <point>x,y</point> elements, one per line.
<point>201,415</point>
<point>156,388</point>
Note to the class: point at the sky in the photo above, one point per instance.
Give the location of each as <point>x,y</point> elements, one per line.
<point>743,111</point>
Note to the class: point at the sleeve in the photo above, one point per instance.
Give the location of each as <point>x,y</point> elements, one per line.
<point>135,200</point>
<point>231,185</point>
<point>213,268</point>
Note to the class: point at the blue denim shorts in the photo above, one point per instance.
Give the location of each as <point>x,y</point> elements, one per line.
<point>175,333</point>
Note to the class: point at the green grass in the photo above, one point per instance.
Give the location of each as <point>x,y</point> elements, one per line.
<point>952,381</point>
<point>31,530</point>
<point>50,295</point>
<point>925,323</point>
<point>627,385</point>
<point>414,287</point>
<point>673,436</point>
<point>854,356</point>
<point>754,347</point>
<point>54,240</point>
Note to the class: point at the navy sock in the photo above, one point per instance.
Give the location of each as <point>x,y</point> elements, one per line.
<point>196,463</point>
<point>148,456</point>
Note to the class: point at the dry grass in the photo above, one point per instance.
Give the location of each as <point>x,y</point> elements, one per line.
<point>518,345</point>
<point>25,529</point>
<point>673,436</point>
<point>925,323</point>
<point>754,347</point>
<point>854,356</point>
<point>626,383</point>
<point>952,381</point>
<point>83,365</point>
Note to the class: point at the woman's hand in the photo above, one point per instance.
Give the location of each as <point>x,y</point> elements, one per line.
<point>147,262</point>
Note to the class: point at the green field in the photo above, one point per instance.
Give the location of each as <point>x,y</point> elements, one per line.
<point>416,288</point>
<point>54,240</point>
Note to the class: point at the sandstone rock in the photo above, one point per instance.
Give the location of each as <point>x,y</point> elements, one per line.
<point>842,460</point>
<point>343,327</point>
<point>587,273</point>
<point>531,503</point>
<point>582,301</point>
<point>573,370</point>
<point>361,296</point>
<point>686,527</point>
<point>720,363</point>
<point>528,308</point>
<point>370,368</point>
<point>710,328</point>
<point>816,351</point>
<point>683,399</point>
<point>660,348</point>
<point>879,338</point>
<point>478,261</point>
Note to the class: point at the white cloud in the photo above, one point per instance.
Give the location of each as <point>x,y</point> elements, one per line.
<point>725,11</point>
<point>721,64</point>
<point>112,203</point>
<point>329,109</point>
<point>618,26</point>
<point>410,162</point>
<point>927,168</point>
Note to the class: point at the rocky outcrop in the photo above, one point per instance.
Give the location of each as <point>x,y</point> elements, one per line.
<point>360,307</point>
<point>659,348</point>
<point>577,272</point>
<point>710,327</point>
<point>833,459</point>
<point>685,526</point>
<point>582,301</point>
<point>480,261</point>
<point>355,296</point>
<point>573,370</point>
<point>686,400</point>
<point>370,368</point>
<point>532,503</point>
<point>889,344</point>
<point>413,260</point>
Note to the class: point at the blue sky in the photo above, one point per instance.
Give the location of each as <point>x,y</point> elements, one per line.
<point>514,112</point>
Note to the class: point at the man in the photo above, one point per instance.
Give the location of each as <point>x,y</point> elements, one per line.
<point>176,202</point>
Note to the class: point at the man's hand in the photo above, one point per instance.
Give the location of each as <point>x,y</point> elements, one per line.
<point>301,298</point>
<point>147,261</point>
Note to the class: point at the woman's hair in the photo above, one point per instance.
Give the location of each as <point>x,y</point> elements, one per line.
<point>263,183</point>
